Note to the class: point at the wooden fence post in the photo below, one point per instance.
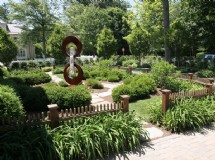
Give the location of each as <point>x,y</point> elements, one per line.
<point>190,76</point>
<point>165,100</point>
<point>209,87</point>
<point>211,80</point>
<point>54,115</point>
<point>129,70</point>
<point>125,101</point>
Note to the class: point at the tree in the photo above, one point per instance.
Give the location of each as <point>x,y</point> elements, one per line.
<point>87,21</point>
<point>106,44</point>
<point>4,12</point>
<point>138,42</point>
<point>148,16</point>
<point>35,16</point>
<point>119,26</point>
<point>101,3</point>
<point>166,28</point>
<point>55,42</point>
<point>8,48</point>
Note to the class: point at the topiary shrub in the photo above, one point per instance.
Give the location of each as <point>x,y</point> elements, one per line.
<point>32,64</point>
<point>205,73</point>
<point>95,84</point>
<point>23,65</point>
<point>68,97</point>
<point>10,104</point>
<point>14,65</point>
<point>33,98</point>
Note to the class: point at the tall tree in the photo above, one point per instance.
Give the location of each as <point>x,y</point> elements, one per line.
<point>119,26</point>
<point>166,28</point>
<point>35,16</point>
<point>55,42</point>
<point>8,48</point>
<point>87,22</point>
<point>106,44</point>
<point>138,42</point>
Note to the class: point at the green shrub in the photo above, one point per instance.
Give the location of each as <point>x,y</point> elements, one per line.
<point>177,85</point>
<point>32,64</point>
<point>47,69</point>
<point>94,84</point>
<point>129,62</point>
<point>10,104</point>
<point>63,84</point>
<point>3,72</point>
<point>58,70</point>
<point>86,74</point>
<point>68,97</point>
<point>95,73</point>
<point>33,98</point>
<point>205,73</point>
<point>47,63</point>
<point>113,78</point>
<point>120,90</point>
<point>31,77</point>
<point>14,65</point>
<point>161,72</point>
<point>98,137</point>
<point>23,65</point>
<point>139,87</point>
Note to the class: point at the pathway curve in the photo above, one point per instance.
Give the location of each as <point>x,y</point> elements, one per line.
<point>54,77</point>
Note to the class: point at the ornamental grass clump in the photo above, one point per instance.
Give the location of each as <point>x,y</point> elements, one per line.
<point>27,144</point>
<point>98,136</point>
<point>189,114</point>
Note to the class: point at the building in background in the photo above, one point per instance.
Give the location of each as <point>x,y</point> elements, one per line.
<point>25,52</point>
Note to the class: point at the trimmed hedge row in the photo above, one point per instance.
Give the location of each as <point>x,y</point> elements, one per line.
<point>30,77</point>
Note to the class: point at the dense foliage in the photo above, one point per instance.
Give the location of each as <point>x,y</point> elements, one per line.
<point>98,137</point>
<point>95,84</point>
<point>95,137</point>
<point>161,73</point>
<point>137,87</point>
<point>183,115</point>
<point>10,104</point>
<point>8,47</point>
<point>31,77</point>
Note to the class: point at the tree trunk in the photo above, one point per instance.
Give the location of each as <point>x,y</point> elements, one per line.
<point>166,28</point>
<point>44,42</point>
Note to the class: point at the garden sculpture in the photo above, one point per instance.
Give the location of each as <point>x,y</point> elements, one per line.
<point>69,69</point>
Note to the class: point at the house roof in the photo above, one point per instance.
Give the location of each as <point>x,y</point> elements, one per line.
<point>14,29</point>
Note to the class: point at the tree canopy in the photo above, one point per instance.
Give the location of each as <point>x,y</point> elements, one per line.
<point>8,48</point>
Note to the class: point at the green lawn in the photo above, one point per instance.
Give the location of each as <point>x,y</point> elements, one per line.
<point>141,108</point>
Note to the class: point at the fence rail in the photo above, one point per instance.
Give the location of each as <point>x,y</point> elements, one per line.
<point>195,93</point>
<point>54,116</point>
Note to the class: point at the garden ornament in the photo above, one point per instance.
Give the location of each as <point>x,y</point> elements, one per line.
<point>70,67</point>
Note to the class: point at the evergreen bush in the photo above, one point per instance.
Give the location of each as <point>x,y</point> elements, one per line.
<point>10,104</point>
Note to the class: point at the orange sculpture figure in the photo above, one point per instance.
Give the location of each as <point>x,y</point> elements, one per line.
<point>77,79</point>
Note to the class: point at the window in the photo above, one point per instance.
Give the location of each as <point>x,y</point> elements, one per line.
<point>21,53</point>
